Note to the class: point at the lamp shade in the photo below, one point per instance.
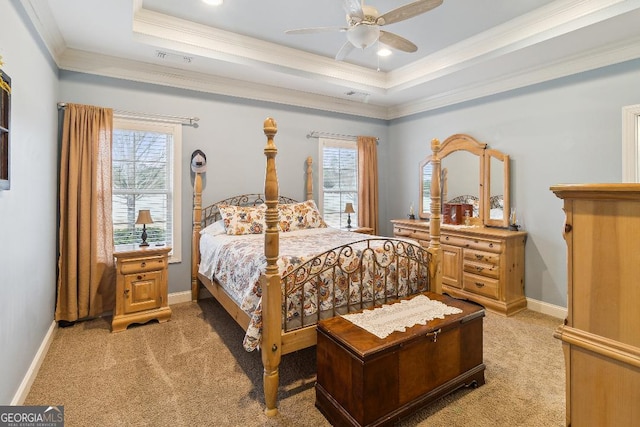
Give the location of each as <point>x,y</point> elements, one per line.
<point>349,208</point>
<point>363,36</point>
<point>144,217</point>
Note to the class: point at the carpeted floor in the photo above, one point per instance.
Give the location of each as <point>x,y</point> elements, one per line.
<point>193,371</point>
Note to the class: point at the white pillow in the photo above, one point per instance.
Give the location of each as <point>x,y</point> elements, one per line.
<point>214,228</point>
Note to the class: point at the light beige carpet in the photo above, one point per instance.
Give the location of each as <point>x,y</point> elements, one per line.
<point>193,371</point>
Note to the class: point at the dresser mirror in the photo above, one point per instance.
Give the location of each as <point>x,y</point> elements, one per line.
<point>471,174</point>
<point>497,188</point>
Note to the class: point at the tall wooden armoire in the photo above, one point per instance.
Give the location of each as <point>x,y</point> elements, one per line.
<point>601,335</point>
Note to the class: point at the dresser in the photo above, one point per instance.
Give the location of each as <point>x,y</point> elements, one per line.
<point>601,335</point>
<point>481,264</point>
<point>141,285</point>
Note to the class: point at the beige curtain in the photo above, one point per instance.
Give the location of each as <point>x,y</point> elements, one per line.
<point>368,183</point>
<point>86,275</point>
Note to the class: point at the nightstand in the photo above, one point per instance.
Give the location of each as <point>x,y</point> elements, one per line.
<point>141,285</point>
<point>362,230</point>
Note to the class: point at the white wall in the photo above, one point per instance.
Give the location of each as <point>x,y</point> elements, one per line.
<point>28,210</point>
<point>565,131</point>
<point>230,132</point>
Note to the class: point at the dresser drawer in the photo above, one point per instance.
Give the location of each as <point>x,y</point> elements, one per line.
<point>142,265</point>
<point>482,257</point>
<point>484,245</point>
<point>481,268</point>
<point>480,285</point>
<point>421,236</point>
<point>454,241</point>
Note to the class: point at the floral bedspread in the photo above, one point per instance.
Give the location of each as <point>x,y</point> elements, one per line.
<point>237,262</point>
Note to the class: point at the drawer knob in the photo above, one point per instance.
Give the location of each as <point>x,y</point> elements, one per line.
<point>479,268</point>
<point>478,284</point>
<point>143,264</point>
<point>126,292</point>
<point>490,245</point>
<point>478,256</point>
<point>139,277</point>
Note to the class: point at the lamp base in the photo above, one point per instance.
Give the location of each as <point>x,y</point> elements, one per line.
<point>144,236</point>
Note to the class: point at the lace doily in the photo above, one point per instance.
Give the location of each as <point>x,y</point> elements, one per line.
<point>399,316</point>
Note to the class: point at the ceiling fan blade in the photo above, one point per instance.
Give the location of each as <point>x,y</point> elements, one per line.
<point>353,8</point>
<point>407,11</point>
<point>397,42</point>
<point>316,30</point>
<point>344,51</point>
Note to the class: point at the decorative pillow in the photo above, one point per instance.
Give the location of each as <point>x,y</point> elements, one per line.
<point>243,219</point>
<point>300,216</point>
<point>214,228</point>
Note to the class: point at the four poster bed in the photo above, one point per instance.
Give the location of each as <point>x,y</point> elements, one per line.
<point>333,272</point>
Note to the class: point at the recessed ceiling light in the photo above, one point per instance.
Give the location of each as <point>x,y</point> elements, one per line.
<point>384,52</point>
<point>213,2</point>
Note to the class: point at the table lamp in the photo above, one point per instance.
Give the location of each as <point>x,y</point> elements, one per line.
<point>144,218</point>
<point>348,209</point>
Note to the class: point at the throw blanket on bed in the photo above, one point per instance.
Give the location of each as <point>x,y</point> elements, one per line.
<point>237,262</point>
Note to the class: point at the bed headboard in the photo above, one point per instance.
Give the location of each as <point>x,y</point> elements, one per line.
<point>211,213</point>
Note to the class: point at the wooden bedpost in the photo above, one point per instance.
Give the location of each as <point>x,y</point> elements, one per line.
<point>309,180</point>
<point>195,239</point>
<point>434,221</point>
<point>271,346</point>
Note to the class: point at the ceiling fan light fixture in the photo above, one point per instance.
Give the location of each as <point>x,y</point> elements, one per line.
<point>383,51</point>
<point>363,36</point>
<point>213,2</point>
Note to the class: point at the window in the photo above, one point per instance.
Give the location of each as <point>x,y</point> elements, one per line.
<point>145,175</point>
<point>338,181</point>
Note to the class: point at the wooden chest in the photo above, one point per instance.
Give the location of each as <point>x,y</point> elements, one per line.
<point>364,380</point>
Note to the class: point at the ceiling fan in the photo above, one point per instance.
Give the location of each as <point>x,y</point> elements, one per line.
<point>364,24</point>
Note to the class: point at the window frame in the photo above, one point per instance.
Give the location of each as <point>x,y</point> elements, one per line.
<point>175,129</point>
<point>631,143</point>
<point>337,143</point>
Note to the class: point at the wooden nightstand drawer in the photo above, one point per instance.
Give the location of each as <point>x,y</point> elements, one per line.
<point>139,265</point>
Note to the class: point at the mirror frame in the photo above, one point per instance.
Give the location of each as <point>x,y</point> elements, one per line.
<point>506,205</point>
<point>463,142</point>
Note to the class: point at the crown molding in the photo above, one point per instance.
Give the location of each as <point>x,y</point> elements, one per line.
<point>558,18</point>
<point>158,29</point>
<point>109,66</point>
<point>42,19</point>
<point>585,61</point>
<point>553,20</point>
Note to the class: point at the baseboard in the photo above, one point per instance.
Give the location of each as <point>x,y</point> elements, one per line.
<point>178,297</point>
<point>185,296</point>
<point>30,376</point>
<point>546,308</point>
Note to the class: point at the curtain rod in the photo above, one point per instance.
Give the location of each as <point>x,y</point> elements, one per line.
<point>316,134</point>
<point>188,121</point>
